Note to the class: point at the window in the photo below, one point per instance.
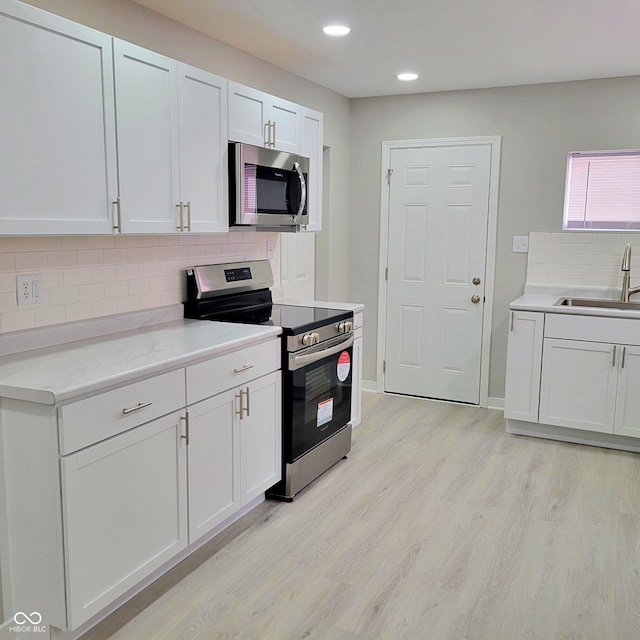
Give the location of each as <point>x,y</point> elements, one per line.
<point>603,191</point>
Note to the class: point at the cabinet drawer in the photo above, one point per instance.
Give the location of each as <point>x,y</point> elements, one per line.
<point>208,378</point>
<point>88,421</point>
<point>592,328</point>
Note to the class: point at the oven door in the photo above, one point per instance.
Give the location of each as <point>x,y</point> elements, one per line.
<point>317,395</point>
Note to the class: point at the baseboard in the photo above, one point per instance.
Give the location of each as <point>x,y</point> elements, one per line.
<point>369,386</point>
<point>495,403</point>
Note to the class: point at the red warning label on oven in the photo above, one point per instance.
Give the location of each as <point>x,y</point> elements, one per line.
<point>344,366</point>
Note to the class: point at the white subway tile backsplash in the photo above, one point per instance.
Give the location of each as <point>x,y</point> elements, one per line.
<point>90,277</point>
<point>586,259</point>
<point>33,260</point>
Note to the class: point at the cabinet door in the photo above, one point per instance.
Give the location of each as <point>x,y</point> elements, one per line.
<point>524,362</point>
<point>248,115</point>
<point>57,130</point>
<point>578,388</point>
<point>356,380</point>
<point>202,103</point>
<point>285,117</point>
<point>627,421</point>
<point>214,492</point>
<point>124,512</point>
<point>311,147</point>
<point>260,436</point>
<point>148,159</point>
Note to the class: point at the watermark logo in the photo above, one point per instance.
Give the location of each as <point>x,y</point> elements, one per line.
<point>28,623</point>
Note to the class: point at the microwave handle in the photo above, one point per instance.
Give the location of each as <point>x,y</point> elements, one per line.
<point>303,192</point>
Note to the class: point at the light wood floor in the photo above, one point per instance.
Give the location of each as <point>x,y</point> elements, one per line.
<point>438,526</point>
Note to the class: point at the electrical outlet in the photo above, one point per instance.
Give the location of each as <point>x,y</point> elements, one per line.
<point>29,289</point>
<point>520,244</point>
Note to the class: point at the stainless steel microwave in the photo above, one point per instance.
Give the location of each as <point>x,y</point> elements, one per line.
<point>267,188</point>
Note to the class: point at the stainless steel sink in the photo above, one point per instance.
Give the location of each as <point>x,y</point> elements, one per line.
<point>597,304</point>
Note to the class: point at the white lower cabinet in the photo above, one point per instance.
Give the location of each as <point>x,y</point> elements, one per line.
<point>585,370</point>
<point>524,361</point>
<point>578,388</point>
<point>119,482</point>
<point>234,451</point>
<point>124,505</point>
<point>259,423</point>
<point>212,448</point>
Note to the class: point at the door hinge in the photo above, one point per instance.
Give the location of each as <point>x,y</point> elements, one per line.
<point>386,273</point>
<point>389,174</point>
<point>384,366</point>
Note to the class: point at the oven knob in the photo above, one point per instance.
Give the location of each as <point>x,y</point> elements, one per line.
<point>316,338</point>
<point>345,327</point>
<point>307,339</point>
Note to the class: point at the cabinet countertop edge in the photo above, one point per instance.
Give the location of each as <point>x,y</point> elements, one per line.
<point>62,374</point>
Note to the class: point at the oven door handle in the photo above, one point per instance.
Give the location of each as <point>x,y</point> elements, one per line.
<point>303,359</point>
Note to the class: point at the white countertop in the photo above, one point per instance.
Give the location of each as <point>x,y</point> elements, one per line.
<point>543,298</point>
<point>60,374</point>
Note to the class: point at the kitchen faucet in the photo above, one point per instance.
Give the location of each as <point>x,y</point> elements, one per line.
<point>626,269</point>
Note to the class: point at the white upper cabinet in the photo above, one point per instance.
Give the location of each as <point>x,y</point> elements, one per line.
<point>57,130</point>
<point>311,147</point>
<point>263,120</point>
<point>202,107</point>
<point>148,155</point>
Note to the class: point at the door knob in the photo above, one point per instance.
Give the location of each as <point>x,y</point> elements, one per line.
<point>475,299</point>
<point>476,280</point>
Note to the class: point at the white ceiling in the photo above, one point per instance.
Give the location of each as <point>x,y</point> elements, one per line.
<point>452,44</point>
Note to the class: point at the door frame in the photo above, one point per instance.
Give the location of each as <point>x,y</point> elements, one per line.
<point>495,144</point>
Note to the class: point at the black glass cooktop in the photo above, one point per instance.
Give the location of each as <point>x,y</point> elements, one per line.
<point>295,319</point>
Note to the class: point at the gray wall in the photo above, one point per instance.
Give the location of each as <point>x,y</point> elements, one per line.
<point>134,23</point>
<point>539,125</point>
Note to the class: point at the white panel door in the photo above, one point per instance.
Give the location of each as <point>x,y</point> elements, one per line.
<point>311,137</point>
<point>214,488</point>
<point>148,157</point>
<point>627,422</point>
<point>261,436</point>
<point>57,125</point>
<point>125,513</point>
<point>524,363</point>
<point>285,117</point>
<point>298,265</point>
<point>202,103</point>
<point>438,214</point>
<point>578,386</point>
<point>248,114</point>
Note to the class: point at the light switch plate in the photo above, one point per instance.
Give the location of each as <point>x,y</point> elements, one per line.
<point>520,244</point>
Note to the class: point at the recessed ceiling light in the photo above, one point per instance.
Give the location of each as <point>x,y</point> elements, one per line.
<point>407,77</point>
<point>336,30</point>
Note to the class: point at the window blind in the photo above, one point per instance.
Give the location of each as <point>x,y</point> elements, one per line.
<point>603,191</point>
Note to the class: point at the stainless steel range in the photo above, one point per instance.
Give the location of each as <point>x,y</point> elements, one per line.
<point>317,353</point>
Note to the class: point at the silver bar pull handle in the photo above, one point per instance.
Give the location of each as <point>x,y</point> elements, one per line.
<point>188,215</point>
<point>267,134</point>
<point>273,139</point>
<point>513,317</point>
<point>186,428</point>
<point>624,355</point>
<point>180,225</point>
<point>613,363</point>
<point>118,225</point>
<point>240,403</point>
<point>140,405</point>
<point>246,367</point>
<point>248,402</point>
